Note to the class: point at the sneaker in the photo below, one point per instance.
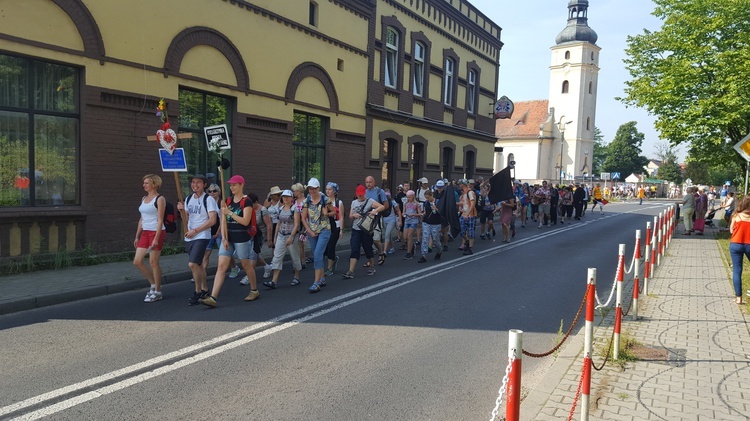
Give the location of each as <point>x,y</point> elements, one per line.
<point>269,284</point>
<point>234,272</point>
<point>148,294</point>
<point>153,296</point>
<point>328,272</point>
<point>397,240</point>
<point>192,280</point>
<point>309,260</point>
<point>348,275</point>
<point>245,281</point>
<point>295,281</point>
<point>195,299</point>
<point>445,247</point>
<point>391,250</point>
<point>253,295</point>
<point>540,226</point>
<point>370,271</point>
<point>437,256</point>
<point>209,301</point>
<point>468,252</point>
<point>335,264</point>
<point>408,256</point>
<point>267,270</point>
<point>422,259</point>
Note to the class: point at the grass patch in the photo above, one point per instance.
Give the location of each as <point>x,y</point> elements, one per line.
<point>627,343</point>
<point>722,238</point>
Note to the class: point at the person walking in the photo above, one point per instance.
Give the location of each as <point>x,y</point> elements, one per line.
<point>579,197</point>
<point>265,230</point>
<point>641,195</point>
<point>412,214</point>
<point>688,210</point>
<point>298,190</point>
<point>542,196</point>
<point>431,227</point>
<point>391,223</point>
<point>377,194</point>
<point>315,213</point>
<point>215,193</point>
<point>739,244</point>
<point>202,213</point>
<point>597,198</point>
<point>150,235</point>
<point>336,220</point>
<point>468,218</point>
<point>361,206</point>
<point>701,208</point>
<point>567,204</point>
<point>287,238</point>
<point>237,216</point>
<point>507,207</point>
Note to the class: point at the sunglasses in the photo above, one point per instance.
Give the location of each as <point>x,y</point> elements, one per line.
<point>213,191</point>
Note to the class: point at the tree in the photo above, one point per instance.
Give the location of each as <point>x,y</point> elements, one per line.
<point>624,152</point>
<point>670,171</point>
<point>692,74</point>
<point>600,152</point>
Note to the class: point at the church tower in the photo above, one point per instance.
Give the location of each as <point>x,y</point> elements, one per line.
<point>574,77</point>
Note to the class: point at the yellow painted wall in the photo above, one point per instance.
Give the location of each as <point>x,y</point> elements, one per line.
<point>39,20</point>
<point>140,32</point>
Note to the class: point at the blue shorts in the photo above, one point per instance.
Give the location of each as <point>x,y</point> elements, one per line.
<point>213,243</point>
<point>243,251</point>
<point>411,225</point>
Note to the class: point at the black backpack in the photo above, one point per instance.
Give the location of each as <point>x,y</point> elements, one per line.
<point>385,202</point>
<point>215,227</point>
<point>170,215</point>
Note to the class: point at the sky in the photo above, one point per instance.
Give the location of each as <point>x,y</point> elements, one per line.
<point>529,28</point>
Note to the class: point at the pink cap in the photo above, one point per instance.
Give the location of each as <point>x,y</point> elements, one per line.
<point>236,179</point>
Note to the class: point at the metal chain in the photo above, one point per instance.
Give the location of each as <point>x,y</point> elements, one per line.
<point>575,322</point>
<point>578,393</point>
<point>501,393</point>
<point>609,353</point>
<point>625,313</point>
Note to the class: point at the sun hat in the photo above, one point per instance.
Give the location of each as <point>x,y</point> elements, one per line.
<point>236,179</point>
<point>275,190</point>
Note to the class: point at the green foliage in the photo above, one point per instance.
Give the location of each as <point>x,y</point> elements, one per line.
<point>624,152</point>
<point>671,171</point>
<point>600,152</point>
<point>692,74</point>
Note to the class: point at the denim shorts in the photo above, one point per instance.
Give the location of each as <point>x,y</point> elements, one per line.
<point>411,225</point>
<point>243,251</point>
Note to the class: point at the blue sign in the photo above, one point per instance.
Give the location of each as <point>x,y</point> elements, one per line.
<point>727,183</point>
<point>615,175</point>
<point>173,162</point>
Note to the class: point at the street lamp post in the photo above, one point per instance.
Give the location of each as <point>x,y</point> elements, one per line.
<point>561,127</point>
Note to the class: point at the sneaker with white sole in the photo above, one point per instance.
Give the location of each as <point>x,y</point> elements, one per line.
<point>148,294</point>
<point>253,295</point>
<point>267,270</point>
<point>153,297</point>
<point>234,272</point>
<point>245,281</point>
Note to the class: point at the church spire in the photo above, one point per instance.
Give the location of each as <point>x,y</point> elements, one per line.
<point>578,27</point>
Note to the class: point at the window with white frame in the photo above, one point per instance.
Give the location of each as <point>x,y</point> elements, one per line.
<point>471,92</point>
<point>419,57</point>
<point>448,81</point>
<point>391,57</point>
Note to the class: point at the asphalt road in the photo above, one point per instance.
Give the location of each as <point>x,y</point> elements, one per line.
<point>414,342</point>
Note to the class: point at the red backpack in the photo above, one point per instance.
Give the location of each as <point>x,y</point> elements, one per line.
<point>252,229</point>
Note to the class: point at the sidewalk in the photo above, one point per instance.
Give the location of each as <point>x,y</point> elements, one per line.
<point>45,288</point>
<point>692,341</point>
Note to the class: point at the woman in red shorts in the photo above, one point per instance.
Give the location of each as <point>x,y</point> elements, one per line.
<point>149,238</point>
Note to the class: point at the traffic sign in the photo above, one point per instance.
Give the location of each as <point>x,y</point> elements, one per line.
<point>615,175</point>
<point>174,161</point>
<point>605,176</point>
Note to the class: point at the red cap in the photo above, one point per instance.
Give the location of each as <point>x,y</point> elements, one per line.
<point>360,190</point>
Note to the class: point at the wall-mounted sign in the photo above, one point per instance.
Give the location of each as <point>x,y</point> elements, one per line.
<point>503,107</point>
<point>217,137</point>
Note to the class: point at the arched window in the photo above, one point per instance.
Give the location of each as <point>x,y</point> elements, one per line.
<point>588,123</point>
<point>419,69</point>
<point>313,15</point>
<point>591,87</point>
<point>592,56</point>
<point>391,57</point>
<point>567,55</point>
<point>511,159</point>
<point>565,87</point>
<point>448,80</point>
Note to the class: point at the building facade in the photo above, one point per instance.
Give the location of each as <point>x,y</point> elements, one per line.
<point>564,144</point>
<point>301,86</point>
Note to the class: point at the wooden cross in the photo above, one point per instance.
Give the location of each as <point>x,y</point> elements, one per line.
<point>177,178</point>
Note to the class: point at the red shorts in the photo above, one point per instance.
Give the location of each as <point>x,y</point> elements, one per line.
<point>147,238</point>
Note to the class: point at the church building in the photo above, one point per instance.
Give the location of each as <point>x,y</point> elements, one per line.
<point>553,139</point>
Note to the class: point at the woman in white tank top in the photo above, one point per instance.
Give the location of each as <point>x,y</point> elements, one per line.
<point>149,237</point>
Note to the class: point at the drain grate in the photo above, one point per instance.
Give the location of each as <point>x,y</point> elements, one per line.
<point>646,353</point>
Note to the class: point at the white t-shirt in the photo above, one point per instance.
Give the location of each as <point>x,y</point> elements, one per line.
<point>361,207</point>
<point>198,215</point>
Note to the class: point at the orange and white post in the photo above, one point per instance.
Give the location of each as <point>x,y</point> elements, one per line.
<point>515,354</point>
<point>636,271</point>
<point>660,240</point>
<point>647,260</point>
<point>618,305</point>
<point>588,345</point>
<point>654,245</point>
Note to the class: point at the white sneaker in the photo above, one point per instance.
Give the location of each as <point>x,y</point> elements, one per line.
<point>153,296</point>
<point>234,272</point>
<point>192,280</point>
<point>245,281</point>
<point>148,294</point>
<point>267,269</point>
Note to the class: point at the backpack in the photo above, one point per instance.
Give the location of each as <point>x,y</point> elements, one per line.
<point>170,215</point>
<point>252,229</point>
<point>215,227</point>
<point>385,202</point>
<point>479,203</point>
